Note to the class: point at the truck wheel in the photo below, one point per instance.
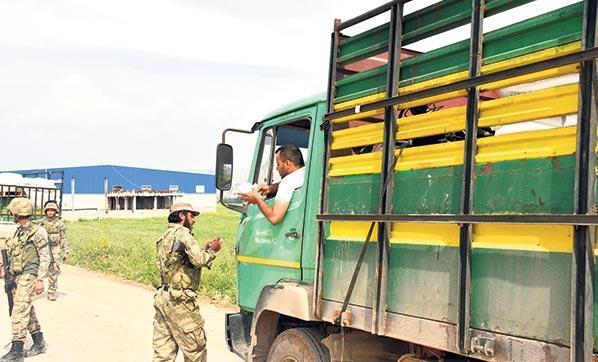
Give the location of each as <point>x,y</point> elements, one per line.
<point>299,345</point>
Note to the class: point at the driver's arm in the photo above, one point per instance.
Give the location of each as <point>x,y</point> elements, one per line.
<point>274,214</point>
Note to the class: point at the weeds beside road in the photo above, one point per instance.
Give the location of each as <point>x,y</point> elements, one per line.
<point>126,248</point>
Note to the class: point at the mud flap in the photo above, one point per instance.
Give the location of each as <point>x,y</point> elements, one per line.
<point>238,333</point>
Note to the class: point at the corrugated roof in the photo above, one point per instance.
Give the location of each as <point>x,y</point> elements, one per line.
<point>90,179</point>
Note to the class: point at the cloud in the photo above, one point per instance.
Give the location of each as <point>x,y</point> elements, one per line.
<point>130,81</point>
<point>176,29</point>
<point>73,101</point>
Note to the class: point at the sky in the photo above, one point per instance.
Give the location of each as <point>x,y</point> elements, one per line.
<point>152,83</point>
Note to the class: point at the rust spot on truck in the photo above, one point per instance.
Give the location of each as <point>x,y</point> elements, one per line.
<point>555,163</point>
<point>346,317</point>
<point>486,169</point>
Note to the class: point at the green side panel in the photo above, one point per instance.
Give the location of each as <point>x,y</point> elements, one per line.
<point>428,191</point>
<point>522,293</point>
<point>364,45</point>
<point>559,27</point>
<point>356,194</point>
<point>419,25</point>
<point>253,277</point>
<point>340,258</point>
<point>422,281</point>
<point>556,28</point>
<point>534,186</point>
<point>362,84</point>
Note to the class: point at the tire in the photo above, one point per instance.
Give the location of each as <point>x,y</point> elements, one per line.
<point>299,345</point>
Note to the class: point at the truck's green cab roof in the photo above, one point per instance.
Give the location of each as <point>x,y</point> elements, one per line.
<point>296,105</point>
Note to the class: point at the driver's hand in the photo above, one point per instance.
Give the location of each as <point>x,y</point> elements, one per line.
<point>250,197</point>
<point>2,273</point>
<point>263,189</point>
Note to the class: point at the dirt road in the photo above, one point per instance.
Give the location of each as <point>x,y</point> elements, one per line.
<point>99,318</point>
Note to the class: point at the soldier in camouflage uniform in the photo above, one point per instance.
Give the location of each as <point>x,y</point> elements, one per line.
<point>59,246</point>
<point>29,259</point>
<point>177,322</point>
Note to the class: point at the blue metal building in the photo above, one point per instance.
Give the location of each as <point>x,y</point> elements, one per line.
<point>90,179</point>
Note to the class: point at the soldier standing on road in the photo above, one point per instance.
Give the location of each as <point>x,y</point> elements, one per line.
<point>179,257</point>
<point>59,247</point>
<point>29,260</point>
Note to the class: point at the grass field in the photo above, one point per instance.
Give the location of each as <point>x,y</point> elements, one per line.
<point>126,248</point>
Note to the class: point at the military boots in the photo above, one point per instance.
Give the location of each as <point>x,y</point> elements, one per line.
<point>39,345</point>
<point>15,354</point>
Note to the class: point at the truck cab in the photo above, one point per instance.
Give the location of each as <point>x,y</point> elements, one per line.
<point>269,255</point>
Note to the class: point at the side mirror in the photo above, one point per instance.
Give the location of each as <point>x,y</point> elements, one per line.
<point>224,167</point>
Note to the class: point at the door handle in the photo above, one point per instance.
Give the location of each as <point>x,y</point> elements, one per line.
<point>293,234</point>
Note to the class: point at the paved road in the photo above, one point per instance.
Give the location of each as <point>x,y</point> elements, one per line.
<point>99,318</point>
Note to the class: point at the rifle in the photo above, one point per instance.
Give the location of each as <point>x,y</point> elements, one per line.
<point>9,282</point>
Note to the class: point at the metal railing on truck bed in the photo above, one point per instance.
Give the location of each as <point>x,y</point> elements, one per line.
<point>484,243</point>
<point>39,195</point>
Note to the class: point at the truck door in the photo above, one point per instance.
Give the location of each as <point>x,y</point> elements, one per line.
<point>267,253</point>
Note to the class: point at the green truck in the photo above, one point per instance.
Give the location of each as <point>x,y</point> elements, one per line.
<point>435,222</point>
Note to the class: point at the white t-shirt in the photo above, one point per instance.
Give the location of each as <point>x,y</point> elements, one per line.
<point>289,184</point>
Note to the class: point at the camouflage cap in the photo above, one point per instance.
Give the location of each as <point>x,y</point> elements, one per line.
<point>183,206</point>
<point>51,205</point>
<point>20,206</point>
